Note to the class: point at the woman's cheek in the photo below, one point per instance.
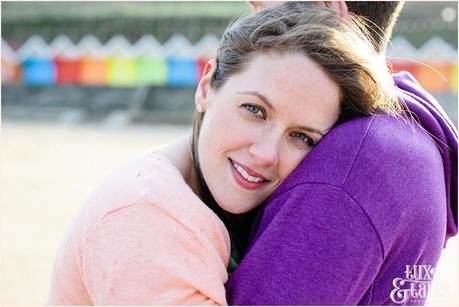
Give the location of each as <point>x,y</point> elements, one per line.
<point>289,158</point>
<point>245,133</point>
<point>235,129</point>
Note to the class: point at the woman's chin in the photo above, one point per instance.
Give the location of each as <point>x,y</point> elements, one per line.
<point>236,208</point>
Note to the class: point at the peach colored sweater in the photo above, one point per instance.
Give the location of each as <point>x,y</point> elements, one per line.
<point>142,238</point>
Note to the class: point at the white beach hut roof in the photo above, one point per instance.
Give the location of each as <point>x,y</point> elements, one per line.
<point>118,45</point>
<point>401,49</point>
<point>148,45</point>
<point>63,46</point>
<point>34,46</point>
<point>207,46</point>
<point>8,53</point>
<point>89,45</point>
<point>178,46</point>
<point>436,50</point>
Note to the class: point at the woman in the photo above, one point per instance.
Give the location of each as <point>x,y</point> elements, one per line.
<point>158,230</point>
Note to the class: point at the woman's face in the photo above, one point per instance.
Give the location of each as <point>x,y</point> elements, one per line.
<point>260,124</point>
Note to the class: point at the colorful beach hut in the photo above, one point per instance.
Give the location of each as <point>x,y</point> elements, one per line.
<point>38,67</point>
<point>454,78</point>
<point>66,60</point>
<point>122,68</point>
<point>439,58</point>
<point>10,64</point>
<point>181,64</point>
<point>205,49</point>
<point>402,55</point>
<point>92,66</point>
<point>150,61</point>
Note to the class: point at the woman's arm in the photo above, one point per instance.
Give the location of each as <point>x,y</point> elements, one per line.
<point>140,255</point>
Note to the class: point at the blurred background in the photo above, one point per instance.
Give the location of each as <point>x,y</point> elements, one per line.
<point>87,86</point>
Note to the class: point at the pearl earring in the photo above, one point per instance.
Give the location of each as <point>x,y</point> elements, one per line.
<point>199,108</point>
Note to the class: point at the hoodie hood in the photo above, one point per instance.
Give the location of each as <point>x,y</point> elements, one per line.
<point>431,116</point>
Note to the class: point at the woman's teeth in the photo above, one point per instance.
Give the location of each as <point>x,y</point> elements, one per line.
<point>244,174</point>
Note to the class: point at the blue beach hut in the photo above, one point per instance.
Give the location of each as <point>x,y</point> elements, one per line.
<point>182,65</point>
<point>38,68</point>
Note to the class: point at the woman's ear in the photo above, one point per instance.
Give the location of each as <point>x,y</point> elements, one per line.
<point>339,6</point>
<point>204,86</point>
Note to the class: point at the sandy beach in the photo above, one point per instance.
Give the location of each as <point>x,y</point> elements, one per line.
<point>47,171</point>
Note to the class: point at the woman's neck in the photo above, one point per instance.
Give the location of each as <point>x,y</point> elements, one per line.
<point>179,153</point>
<point>238,225</point>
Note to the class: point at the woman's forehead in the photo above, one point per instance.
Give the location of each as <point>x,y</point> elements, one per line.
<point>280,75</point>
<point>291,84</point>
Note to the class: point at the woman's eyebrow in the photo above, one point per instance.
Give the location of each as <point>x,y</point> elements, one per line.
<point>266,101</point>
<point>313,130</point>
<point>261,97</point>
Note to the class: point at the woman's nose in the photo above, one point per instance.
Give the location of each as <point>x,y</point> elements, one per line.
<point>265,151</point>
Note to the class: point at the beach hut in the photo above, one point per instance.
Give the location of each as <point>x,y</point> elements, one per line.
<point>66,60</point>
<point>453,77</point>
<point>439,58</point>
<point>205,49</point>
<point>181,64</point>
<point>402,55</point>
<point>92,62</point>
<point>38,67</point>
<point>10,64</point>
<point>150,61</point>
<point>122,68</point>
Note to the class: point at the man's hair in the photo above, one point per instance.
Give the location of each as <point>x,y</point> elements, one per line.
<point>381,17</point>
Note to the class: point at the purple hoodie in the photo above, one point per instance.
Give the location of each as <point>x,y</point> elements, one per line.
<point>364,217</point>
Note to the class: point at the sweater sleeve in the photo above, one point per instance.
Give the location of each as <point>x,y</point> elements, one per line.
<point>141,255</point>
<point>319,248</point>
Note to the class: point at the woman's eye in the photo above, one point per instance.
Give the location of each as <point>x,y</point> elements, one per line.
<point>304,138</point>
<point>255,110</point>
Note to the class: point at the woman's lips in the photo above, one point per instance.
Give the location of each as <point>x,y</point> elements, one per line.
<point>254,180</point>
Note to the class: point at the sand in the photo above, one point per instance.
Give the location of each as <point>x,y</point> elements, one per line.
<point>47,171</point>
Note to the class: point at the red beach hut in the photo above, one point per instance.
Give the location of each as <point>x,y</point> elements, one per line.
<point>66,59</point>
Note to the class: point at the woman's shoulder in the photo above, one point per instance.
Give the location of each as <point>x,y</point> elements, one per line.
<point>149,175</point>
<point>153,183</point>
<point>146,219</point>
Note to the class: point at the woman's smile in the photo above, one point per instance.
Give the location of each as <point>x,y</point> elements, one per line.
<point>246,177</point>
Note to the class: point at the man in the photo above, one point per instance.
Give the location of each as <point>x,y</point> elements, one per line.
<point>364,217</point>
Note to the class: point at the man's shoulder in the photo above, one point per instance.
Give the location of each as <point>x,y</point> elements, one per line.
<point>388,166</point>
<point>366,146</point>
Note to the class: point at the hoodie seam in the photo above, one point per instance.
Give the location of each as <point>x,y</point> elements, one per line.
<point>358,151</point>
